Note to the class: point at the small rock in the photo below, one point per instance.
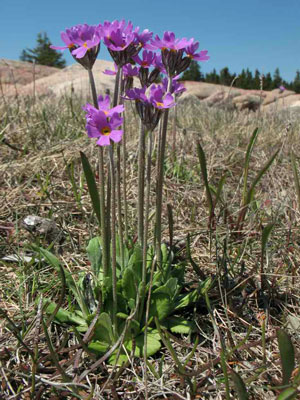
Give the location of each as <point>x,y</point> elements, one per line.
<point>45,227</point>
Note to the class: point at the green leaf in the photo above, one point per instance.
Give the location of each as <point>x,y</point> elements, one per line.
<point>180,325</point>
<point>287,355</point>
<point>95,254</point>
<point>99,347</point>
<point>239,386</point>
<point>90,179</point>
<point>202,161</point>
<point>122,359</point>
<point>169,288</point>
<point>54,262</point>
<point>265,236</point>
<point>64,316</point>
<point>185,300</point>
<point>103,329</point>
<point>161,305</point>
<point>153,344</point>
<point>288,394</point>
<point>247,161</point>
<point>129,284</point>
<point>136,262</point>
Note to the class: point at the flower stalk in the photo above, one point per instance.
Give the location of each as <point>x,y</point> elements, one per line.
<point>160,180</point>
<point>104,236</point>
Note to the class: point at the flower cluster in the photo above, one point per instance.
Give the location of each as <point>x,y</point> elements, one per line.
<point>150,103</point>
<point>83,41</point>
<point>124,42</point>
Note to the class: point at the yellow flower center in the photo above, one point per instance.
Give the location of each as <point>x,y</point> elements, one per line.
<point>144,64</point>
<point>105,131</point>
<point>159,104</point>
<point>85,44</point>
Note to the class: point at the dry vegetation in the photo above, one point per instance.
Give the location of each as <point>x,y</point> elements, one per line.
<point>41,174</point>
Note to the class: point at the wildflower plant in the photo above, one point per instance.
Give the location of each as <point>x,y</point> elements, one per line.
<point>133,284</point>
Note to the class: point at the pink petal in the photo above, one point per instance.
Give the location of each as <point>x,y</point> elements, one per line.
<point>103,141</point>
<point>80,52</point>
<point>116,136</point>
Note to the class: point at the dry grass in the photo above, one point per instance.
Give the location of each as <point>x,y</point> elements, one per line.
<point>34,180</point>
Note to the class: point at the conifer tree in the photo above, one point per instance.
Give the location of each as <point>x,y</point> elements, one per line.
<point>193,73</point>
<point>268,82</point>
<point>42,54</point>
<point>225,77</point>
<point>256,80</point>
<point>212,77</point>
<point>296,82</point>
<point>277,80</point>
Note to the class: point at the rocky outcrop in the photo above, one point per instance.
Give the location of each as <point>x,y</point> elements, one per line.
<point>229,97</point>
<point>18,75</point>
<point>70,79</point>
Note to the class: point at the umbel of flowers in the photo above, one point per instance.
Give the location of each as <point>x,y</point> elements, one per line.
<point>135,54</point>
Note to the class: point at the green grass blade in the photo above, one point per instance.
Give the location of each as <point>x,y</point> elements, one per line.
<point>239,386</point>
<point>287,355</point>
<point>90,179</point>
<point>259,176</point>
<point>202,161</point>
<point>247,161</point>
<point>288,394</point>
<point>296,177</point>
<point>265,236</point>
<point>219,189</point>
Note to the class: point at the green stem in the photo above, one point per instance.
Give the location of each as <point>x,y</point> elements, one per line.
<point>104,237</point>
<point>124,154</point>
<point>146,225</point>
<point>147,207</point>
<point>141,184</point>
<point>160,180</point>
<point>117,100</point>
<point>113,237</point>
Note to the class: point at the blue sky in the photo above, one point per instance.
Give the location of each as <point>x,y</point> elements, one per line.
<point>262,34</point>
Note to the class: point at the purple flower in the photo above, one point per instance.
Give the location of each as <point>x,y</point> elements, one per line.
<point>282,88</point>
<point>116,35</point>
<point>129,71</point>
<point>168,42</point>
<point>111,72</point>
<point>100,126</point>
<point>79,39</point>
<point>83,41</point>
<point>67,40</point>
<point>191,52</point>
<point>137,94</point>
<point>103,105</point>
<point>142,38</point>
<point>150,103</point>
<point>148,59</point>
<point>159,64</point>
<point>176,87</point>
<point>159,98</point>
<point>120,40</point>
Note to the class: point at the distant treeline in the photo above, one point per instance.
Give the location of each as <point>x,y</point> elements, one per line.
<point>245,80</point>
